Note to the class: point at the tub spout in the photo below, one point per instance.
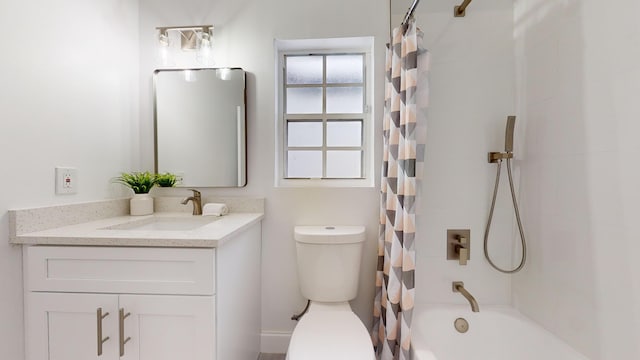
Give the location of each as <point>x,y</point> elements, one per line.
<point>458,286</point>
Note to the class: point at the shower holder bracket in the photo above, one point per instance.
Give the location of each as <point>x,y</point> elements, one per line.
<point>495,156</point>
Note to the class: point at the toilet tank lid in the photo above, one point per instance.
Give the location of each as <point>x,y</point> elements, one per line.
<point>329,234</point>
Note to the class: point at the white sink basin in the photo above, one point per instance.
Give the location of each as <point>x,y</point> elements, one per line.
<point>165,224</point>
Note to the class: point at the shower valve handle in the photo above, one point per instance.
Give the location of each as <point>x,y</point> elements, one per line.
<point>462,248</point>
<point>458,245</point>
<point>464,256</point>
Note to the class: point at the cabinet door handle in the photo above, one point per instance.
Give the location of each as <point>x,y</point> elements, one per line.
<point>123,341</point>
<point>99,317</point>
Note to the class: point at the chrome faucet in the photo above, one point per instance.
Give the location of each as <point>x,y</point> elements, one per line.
<point>197,202</point>
<point>458,286</point>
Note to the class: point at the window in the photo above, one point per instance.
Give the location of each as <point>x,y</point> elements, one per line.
<point>324,120</point>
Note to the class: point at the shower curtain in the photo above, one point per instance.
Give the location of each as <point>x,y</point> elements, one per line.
<point>395,285</point>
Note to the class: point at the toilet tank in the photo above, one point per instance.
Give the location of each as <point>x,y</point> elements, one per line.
<point>329,261</point>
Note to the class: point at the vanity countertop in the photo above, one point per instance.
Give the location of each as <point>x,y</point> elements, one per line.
<point>109,232</point>
<point>107,223</point>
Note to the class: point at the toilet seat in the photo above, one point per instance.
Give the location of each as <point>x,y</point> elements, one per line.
<point>330,331</point>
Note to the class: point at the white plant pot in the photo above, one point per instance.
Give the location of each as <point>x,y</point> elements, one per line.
<point>141,204</point>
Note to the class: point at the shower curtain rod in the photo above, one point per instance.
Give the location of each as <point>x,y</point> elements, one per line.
<point>461,10</point>
<point>409,13</point>
<point>458,10</point>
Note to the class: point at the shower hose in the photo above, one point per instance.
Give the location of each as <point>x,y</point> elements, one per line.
<point>515,206</point>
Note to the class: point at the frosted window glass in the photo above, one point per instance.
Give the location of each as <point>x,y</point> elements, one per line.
<point>344,164</point>
<point>344,133</point>
<point>304,164</point>
<point>304,133</point>
<point>345,69</point>
<point>304,69</point>
<point>306,100</point>
<point>345,100</point>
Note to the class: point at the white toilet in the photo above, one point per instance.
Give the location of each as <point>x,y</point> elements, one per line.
<point>328,269</point>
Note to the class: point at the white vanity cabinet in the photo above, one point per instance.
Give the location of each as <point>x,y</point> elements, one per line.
<point>146,303</point>
<point>66,326</point>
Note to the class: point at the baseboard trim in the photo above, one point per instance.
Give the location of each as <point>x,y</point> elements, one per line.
<point>274,342</point>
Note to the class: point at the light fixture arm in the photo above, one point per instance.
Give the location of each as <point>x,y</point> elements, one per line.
<point>188,35</point>
<point>203,28</point>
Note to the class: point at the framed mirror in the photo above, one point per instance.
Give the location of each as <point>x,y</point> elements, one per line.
<point>200,126</point>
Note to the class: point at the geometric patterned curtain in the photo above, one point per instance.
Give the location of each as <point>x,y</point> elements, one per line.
<point>395,276</point>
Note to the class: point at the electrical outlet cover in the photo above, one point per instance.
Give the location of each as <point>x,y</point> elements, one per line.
<point>66,180</point>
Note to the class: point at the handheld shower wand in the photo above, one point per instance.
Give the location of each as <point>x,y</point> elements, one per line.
<point>508,136</point>
<point>497,157</point>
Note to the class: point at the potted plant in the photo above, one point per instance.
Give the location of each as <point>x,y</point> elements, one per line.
<point>141,183</point>
<point>166,180</point>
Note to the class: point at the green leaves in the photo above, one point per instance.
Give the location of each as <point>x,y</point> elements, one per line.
<point>166,180</point>
<point>139,182</point>
<point>142,182</point>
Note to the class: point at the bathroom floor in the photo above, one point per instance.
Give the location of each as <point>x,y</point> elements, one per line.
<point>271,357</point>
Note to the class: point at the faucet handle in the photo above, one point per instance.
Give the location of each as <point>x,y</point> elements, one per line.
<point>196,193</point>
<point>462,248</point>
<point>464,256</point>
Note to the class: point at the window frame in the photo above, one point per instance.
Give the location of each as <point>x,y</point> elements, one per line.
<point>332,47</point>
<point>324,117</point>
<point>324,148</point>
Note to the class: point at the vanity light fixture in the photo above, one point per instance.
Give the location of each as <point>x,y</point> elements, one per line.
<point>193,37</point>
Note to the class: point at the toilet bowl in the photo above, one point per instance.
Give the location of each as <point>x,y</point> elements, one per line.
<point>330,331</point>
<point>328,270</point>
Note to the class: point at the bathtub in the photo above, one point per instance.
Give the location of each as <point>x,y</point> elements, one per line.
<point>495,333</point>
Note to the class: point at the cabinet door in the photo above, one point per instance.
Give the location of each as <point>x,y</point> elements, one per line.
<point>163,327</point>
<point>66,326</point>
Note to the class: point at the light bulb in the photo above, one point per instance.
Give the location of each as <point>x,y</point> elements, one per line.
<point>204,53</point>
<point>163,40</point>
<point>206,41</point>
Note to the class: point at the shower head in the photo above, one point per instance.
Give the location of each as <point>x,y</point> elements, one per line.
<point>508,138</point>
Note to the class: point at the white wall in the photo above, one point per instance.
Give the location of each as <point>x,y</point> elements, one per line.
<point>72,99</point>
<point>578,83</point>
<point>68,97</point>
<point>472,93</point>
<point>244,37</point>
